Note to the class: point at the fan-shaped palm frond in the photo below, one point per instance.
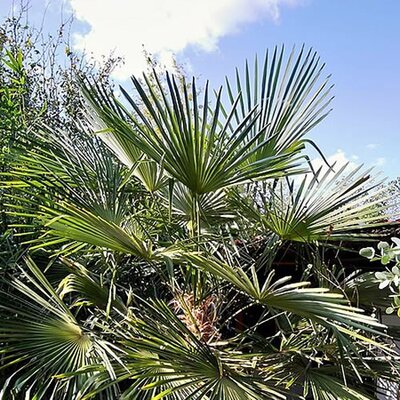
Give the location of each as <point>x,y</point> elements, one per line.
<point>291,98</point>
<point>89,289</point>
<point>327,387</point>
<point>192,141</point>
<point>42,338</point>
<point>79,198</point>
<point>327,206</point>
<point>164,359</point>
<point>321,305</point>
<point>363,289</point>
<point>111,115</point>
<point>82,168</point>
<point>213,208</point>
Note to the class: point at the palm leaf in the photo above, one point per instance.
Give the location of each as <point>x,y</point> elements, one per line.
<point>326,387</point>
<point>327,308</point>
<point>327,206</point>
<point>290,93</point>
<point>78,198</point>
<point>212,207</point>
<point>42,336</point>
<point>164,359</point>
<point>89,289</point>
<point>194,145</point>
<point>111,117</point>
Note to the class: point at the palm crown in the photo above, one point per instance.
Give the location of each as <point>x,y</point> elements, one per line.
<point>160,228</point>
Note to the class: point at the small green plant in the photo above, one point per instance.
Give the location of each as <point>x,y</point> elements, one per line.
<point>390,278</point>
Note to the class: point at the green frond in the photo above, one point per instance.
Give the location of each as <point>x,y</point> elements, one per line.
<point>88,289</point>
<point>41,336</point>
<point>212,207</point>
<point>191,138</point>
<point>291,95</point>
<point>329,309</point>
<point>328,206</point>
<point>164,359</point>
<point>326,387</point>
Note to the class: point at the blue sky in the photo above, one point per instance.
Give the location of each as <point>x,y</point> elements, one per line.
<point>359,40</point>
<point>360,43</point>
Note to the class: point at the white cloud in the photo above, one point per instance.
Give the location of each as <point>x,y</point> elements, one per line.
<point>336,160</point>
<point>371,146</point>
<point>340,158</point>
<point>380,161</point>
<point>164,27</point>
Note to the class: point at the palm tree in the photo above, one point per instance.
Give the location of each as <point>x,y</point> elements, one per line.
<point>149,270</point>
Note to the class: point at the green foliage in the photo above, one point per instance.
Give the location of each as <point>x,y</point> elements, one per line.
<point>329,206</point>
<point>44,337</point>
<point>12,96</point>
<point>151,227</point>
<point>37,86</point>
